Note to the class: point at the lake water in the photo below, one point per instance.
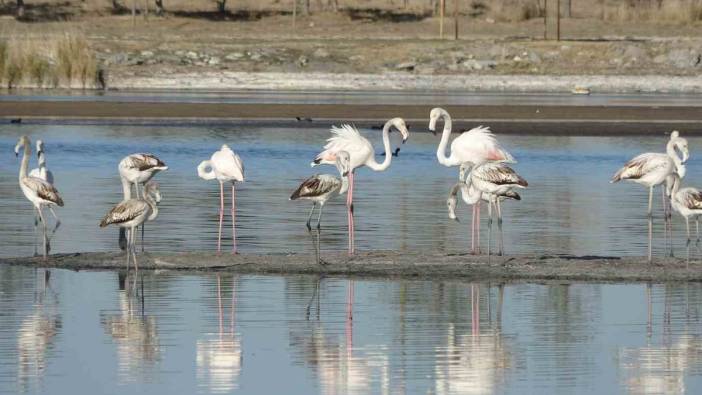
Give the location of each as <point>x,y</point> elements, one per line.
<point>91,332</point>
<point>64,332</point>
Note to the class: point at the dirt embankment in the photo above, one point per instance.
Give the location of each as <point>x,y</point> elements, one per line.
<point>393,264</point>
<point>381,50</point>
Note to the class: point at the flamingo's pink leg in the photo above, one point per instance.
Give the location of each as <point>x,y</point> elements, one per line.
<point>221,216</point>
<point>477,226</point>
<point>472,231</point>
<point>352,241</point>
<point>233,219</point>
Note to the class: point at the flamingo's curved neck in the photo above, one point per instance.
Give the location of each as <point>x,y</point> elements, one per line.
<point>25,161</point>
<point>441,151</point>
<point>670,150</point>
<point>42,160</point>
<point>372,163</point>
<point>126,189</point>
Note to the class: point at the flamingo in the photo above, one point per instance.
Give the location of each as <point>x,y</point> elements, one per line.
<point>475,146</point>
<point>130,214</point>
<point>492,182</point>
<point>347,138</point>
<point>652,169</point>
<point>43,173</point>
<point>321,187</point>
<point>225,166</point>
<point>39,192</point>
<point>471,196</point>
<point>687,202</point>
<point>137,169</point>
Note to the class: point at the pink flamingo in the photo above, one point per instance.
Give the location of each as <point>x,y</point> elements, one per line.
<point>347,138</point>
<point>474,147</point>
<point>225,166</point>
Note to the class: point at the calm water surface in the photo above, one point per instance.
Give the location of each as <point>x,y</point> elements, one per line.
<point>101,333</point>
<point>162,333</point>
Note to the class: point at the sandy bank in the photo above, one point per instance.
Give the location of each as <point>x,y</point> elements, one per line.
<point>393,264</point>
<point>223,80</point>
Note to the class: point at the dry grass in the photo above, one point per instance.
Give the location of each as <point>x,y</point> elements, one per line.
<point>63,61</point>
<point>677,11</point>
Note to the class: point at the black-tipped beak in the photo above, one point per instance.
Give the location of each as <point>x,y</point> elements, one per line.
<point>433,132</point>
<point>346,173</point>
<point>456,219</point>
<point>404,140</point>
<point>16,154</point>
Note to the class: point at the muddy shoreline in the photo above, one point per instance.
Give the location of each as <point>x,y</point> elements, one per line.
<point>390,264</point>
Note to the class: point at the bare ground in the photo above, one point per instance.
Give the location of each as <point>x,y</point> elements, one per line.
<point>393,264</point>
<point>261,50</point>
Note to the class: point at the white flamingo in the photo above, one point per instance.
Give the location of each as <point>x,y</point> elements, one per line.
<point>39,192</point>
<point>43,173</point>
<point>321,187</point>
<point>130,214</point>
<point>471,196</point>
<point>224,166</point>
<point>347,138</point>
<point>687,202</point>
<point>492,182</point>
<point>137,169</point>
<point>653,169</point>
<point>475,147</point>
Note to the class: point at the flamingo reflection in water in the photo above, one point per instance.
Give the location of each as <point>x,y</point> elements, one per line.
<point>134,333</point>
<point>474,363</point>
<point>340,366</point>
<point>219,359</point>
<point>37,332</point>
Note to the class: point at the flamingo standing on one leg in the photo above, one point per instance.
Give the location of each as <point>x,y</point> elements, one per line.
<point>132,213</point>
<point>43,173</point>
<point>347,138</point>
<point>36,190</point>
<point>225,166</point>
<point>137,169</point>
<point>475,146</point>
<point>653,169</point>
<point>321,187</point>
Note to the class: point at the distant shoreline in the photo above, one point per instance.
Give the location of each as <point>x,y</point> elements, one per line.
<point>383,264</point>
<point>223,80</point>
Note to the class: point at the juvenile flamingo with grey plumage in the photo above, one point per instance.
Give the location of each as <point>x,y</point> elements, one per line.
<point>493,182</point>
<point>132,213</point>
<point>224,166</point>
<point>38,191</point>
<point>653,169</point>
<point>137,169</point>
<point>687,202</point>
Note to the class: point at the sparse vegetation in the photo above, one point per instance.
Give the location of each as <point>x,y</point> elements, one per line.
<point>63,61</point>
<point>678,11</point>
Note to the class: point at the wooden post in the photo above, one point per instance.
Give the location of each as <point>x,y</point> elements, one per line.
<point>294,13</point>
<point>442,9</point>
<point>558,20</point>
<point>133,12</point>
<point>545,19</point>
<point>455,19</point>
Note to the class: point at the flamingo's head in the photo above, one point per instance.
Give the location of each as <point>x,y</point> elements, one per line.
<point>434,116</point>
<point>400,125</point>
<point>681,170</point>
<point>24,140</point>
<point>343,162</point>
<point>680,144</point>
<point>40,147</point>
<point>153,189</point>
<point>451,203</point>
